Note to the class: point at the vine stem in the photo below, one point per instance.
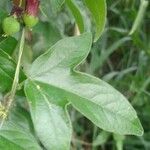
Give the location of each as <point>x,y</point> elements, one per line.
<point>16,77</point>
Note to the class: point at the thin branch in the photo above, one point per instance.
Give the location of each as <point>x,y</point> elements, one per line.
<point>11,96</point>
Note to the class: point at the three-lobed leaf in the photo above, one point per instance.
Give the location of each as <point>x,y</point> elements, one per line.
<point>54,73</point>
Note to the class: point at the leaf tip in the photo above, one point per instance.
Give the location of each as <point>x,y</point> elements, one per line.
<point>138,130</point>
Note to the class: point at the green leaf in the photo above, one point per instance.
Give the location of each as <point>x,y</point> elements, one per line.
<point>98,10</point>
<point>66,53</point>
<point>3,14</point>
<point>8,44</point>
<point>76,13</point>
<point>94,98</point>
<point>7,71</point>
<point>50,121</point>
<point>16,134</point>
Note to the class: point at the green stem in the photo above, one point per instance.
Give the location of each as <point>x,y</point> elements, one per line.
<point>16,78</point>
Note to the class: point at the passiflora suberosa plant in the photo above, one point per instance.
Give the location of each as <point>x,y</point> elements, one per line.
<point>38,85</point>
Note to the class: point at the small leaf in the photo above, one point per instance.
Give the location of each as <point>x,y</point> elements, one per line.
<point>94,98</point>
<point>98,10</point>
<point>50,121</point>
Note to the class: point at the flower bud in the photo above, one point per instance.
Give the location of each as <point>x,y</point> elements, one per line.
<point>31,11</point>
<point>30,21</point>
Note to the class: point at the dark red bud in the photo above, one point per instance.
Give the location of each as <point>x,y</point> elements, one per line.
<point>32,7</point>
